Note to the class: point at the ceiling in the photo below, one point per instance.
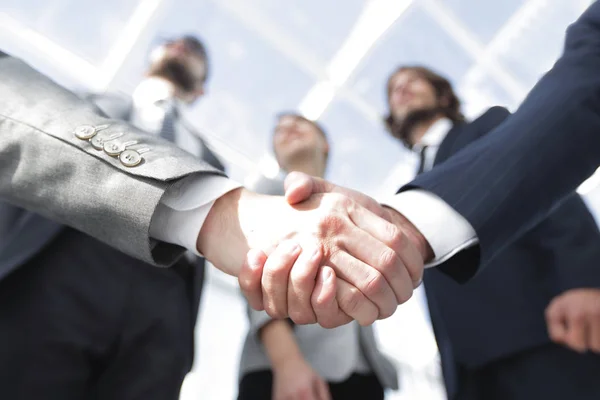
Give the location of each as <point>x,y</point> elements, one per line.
<point>326,59</point>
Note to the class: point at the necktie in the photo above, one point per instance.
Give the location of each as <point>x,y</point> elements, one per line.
<point>167,130</point>
<point>422,160</point>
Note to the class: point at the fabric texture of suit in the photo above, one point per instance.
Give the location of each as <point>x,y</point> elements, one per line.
<point>254,360</point>
<point>510,180</point>
<point>45,168</point>
<point>119,106</point>
<point>500,312</point>
<point>83,188</point>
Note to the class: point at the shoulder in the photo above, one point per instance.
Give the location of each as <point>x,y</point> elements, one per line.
<point>493,116</point>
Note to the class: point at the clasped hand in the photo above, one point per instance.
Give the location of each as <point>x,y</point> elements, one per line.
<point>359,261</point>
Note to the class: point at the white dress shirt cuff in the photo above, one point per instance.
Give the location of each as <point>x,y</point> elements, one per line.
<point>184,208</point>
<point>447,231</point>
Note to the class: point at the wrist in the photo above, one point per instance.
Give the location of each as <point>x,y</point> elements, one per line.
<point>413,234</point>
<point>241,220</point>
<point>222,225</point>
<point>280,343</point>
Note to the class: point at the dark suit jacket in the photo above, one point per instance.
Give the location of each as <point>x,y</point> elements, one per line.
<point>510,180</point>
<point>501,310</point>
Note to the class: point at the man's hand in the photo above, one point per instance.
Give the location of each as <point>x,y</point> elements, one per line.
<point>300,186</point>
<point>374,259</point>
<point>332,290</point>
<point>296,380</point>
<point>573,319</point>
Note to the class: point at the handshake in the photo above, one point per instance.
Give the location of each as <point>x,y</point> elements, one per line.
<point>321,254</point>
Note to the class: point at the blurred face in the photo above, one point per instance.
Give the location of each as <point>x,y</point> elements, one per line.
<point>409,92</point>
<point>296,139</point>
<point>179,62</point>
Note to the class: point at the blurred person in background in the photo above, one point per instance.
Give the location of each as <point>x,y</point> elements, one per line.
<point>492,334</point>
<point>462,218</point>
<point>281,360</point>
<point>174,80</point>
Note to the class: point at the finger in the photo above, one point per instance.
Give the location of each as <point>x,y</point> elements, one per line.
<point>302,283</point>
<point>354,304</point>
<point>322,390</point>
<point>250,277</point>
<point>324,301</point>
<point>305,393</point>
<point>275,277</point>
<point>407,257</point>
<point>576,331</point>
<point>556,322</point>
<point>594,331</point>
<point>361,265</point>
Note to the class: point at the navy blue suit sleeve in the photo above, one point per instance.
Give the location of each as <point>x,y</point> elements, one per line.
<point>570,239</point>
<point>512,178</point>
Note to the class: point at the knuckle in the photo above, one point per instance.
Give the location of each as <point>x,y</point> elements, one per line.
<point>302,275</point>
<point>375,286</point>
<point>578,316</point>
<point>404,295</point>
<point>302,317</point>
<point>395,235</point>
<point>274,312</point>
<point>328,323</point>
<point>389,262</point>
<point>276,272</point>
<point>368,321</point>
<point>351,301</point>
<point>245,285</point>
<point>319,303</point>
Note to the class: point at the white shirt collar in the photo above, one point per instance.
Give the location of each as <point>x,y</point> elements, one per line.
<point>152,90</point>
<point>148,114</point>
<point>435,135</point>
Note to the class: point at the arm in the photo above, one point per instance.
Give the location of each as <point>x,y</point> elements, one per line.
<point>45,168</point>
<point>278,338</point>
<point>522,169</point>
<point>570,238</point>
<point>293,377</point>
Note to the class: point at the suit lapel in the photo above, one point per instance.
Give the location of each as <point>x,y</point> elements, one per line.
<point>448,144</point>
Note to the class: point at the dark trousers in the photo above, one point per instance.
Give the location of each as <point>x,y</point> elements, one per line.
<point>258,386</point>
<point>549,372</point>
<point>83,321</point>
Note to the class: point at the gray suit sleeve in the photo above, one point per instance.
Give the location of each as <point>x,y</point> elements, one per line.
<point>45,168</point>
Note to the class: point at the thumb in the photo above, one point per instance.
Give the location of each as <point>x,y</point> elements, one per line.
<point>300,186</point>
<point>322,389</point>
<point>250,277</point>
<point>556,322</point>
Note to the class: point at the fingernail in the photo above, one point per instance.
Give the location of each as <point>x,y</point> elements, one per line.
<point>327,275</point>
<point>316,254</point>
